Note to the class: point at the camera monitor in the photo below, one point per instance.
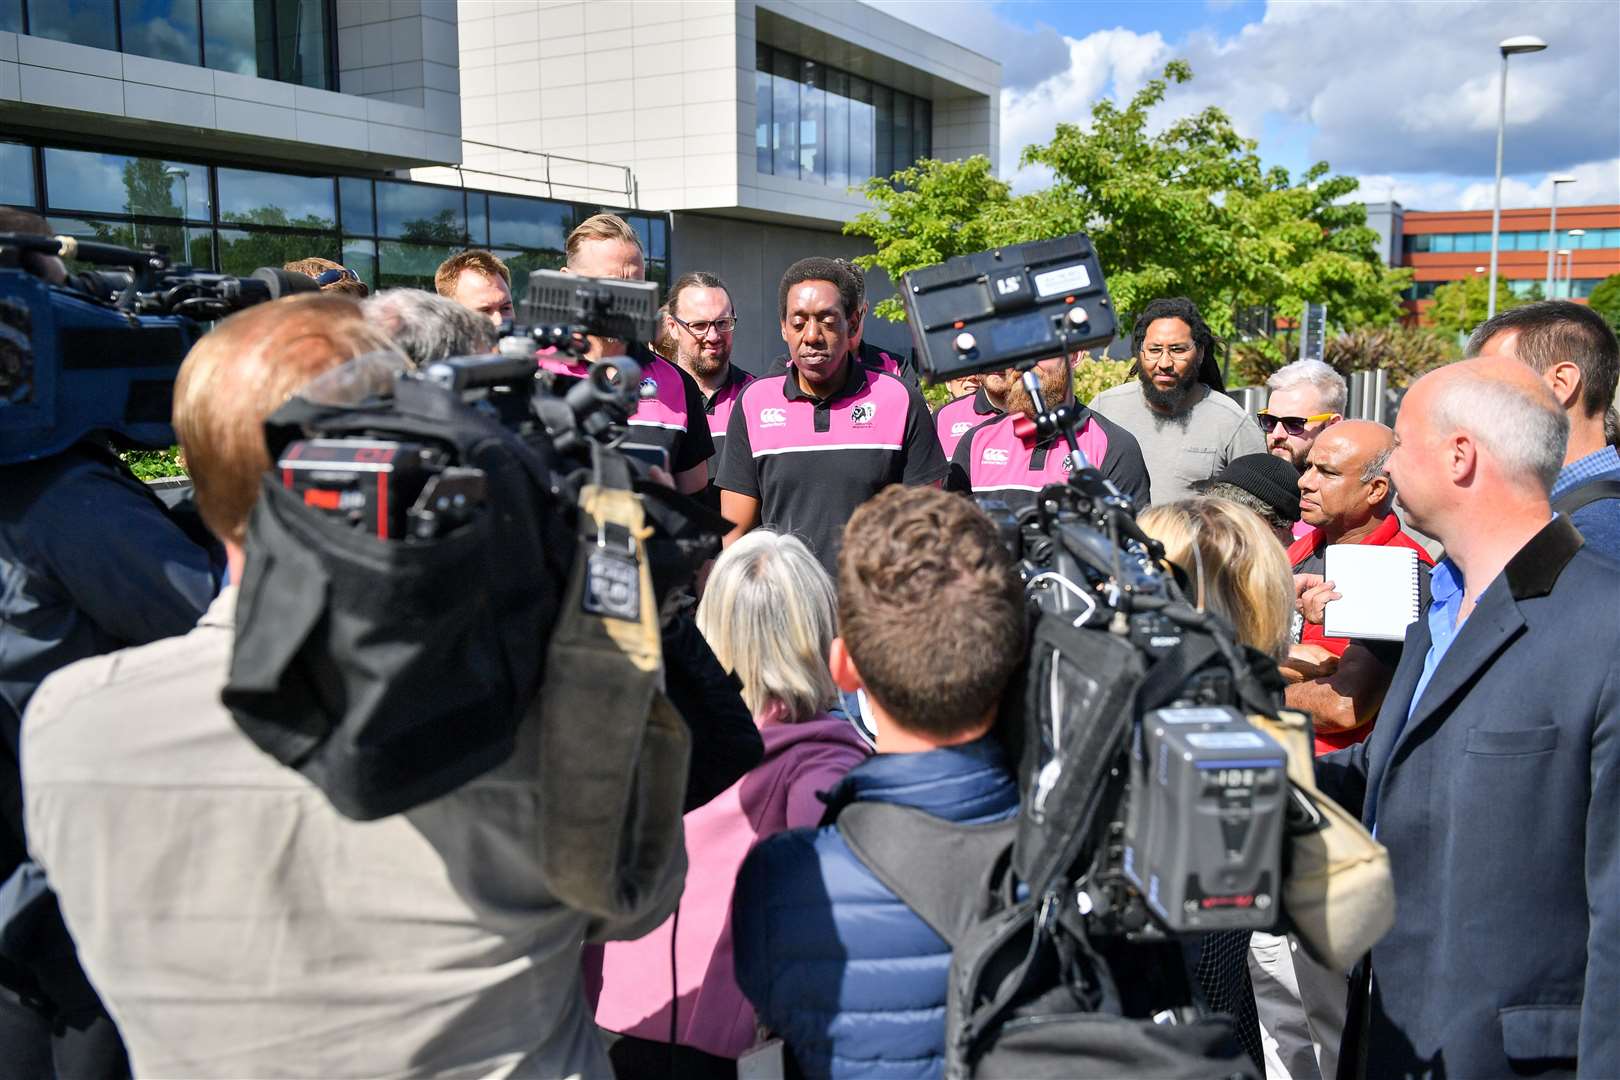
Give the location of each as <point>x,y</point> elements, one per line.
<point>1001,308</point>
<point>607,307</point>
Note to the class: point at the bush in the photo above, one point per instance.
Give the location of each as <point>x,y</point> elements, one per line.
<point>1403,352</point>
<point>154,464</point>
<point>1605,300</point>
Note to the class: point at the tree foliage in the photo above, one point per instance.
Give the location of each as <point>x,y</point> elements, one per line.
<point>1605,300</point>
<point>1187,211</point>
<point>1459,306</point>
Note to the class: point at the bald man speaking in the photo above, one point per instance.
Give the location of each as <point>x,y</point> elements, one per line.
<point>1492,774</point>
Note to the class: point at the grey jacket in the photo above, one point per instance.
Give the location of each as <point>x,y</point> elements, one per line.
<point>237,925</point>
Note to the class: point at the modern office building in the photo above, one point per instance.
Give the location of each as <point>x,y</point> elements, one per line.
<point>750,121</point>
<point>251,132</point>
<point>1443,246</point>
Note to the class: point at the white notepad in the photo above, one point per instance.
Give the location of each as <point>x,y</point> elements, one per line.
<point>1378,591</point>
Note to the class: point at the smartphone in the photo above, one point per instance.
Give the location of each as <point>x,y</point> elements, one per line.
<point>652,455</point>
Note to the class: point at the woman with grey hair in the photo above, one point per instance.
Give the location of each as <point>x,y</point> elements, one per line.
<point>768,614</point>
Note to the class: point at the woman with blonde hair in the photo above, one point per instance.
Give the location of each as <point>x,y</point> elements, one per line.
<point>1234,566</point>
<point>768,614</point>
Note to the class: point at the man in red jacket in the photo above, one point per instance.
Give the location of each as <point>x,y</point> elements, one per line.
<point>1346,493</point>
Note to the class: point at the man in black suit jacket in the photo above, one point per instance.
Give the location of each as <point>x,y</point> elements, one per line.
<point>1493,772</point>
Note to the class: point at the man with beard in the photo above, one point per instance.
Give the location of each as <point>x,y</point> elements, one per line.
<point>1005,457</point>
<point>1187,427</point>
<point>699,321</point>
<point>806,447</point>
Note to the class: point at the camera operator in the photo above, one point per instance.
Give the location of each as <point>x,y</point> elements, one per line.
<point>833,962</point>
<point>427,328</point>
<point>91,562</point>
<point>236,922</point>
<point>1004,456</point>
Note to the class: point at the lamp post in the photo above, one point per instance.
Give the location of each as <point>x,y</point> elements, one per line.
<point>1552,230</point>
<point>1568,257</point>
<point>1508,46</point>
<point>1569,263</point>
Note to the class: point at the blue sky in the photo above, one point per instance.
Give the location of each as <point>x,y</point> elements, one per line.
<point>1401,95</point>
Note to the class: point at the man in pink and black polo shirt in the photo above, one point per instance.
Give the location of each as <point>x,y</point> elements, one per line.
<point>961,415</point>
<point>605,246</point>
<point>804,448</point>
<point>864,352</point>
<point>1004,456</point>
<point>699,321</point>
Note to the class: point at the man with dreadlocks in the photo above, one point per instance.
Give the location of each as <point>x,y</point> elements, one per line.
<point>1187,427</point>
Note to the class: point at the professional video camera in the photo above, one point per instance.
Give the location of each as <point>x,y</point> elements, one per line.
<point>413,542</point>
<point>100,352</point>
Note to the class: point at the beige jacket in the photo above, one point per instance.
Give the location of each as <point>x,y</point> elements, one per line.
<point>237,926</point>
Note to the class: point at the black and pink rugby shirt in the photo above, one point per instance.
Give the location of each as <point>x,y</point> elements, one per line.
<point>1002,458</point>
<point>811,462</point>
<point>668,419</point>
<point>872,358</point>
<point>959,416</point>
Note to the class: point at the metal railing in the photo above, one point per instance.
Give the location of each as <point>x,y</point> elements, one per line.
<point>630,191</point>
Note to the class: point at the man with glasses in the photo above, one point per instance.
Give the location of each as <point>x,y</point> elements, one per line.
<point>699,322</point>
<point>1304,399</point>
<point>1187,427</point>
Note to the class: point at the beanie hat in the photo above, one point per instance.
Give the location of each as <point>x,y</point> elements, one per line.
<point>1270,478</point>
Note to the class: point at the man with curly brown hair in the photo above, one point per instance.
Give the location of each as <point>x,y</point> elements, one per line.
<point>833,962</point>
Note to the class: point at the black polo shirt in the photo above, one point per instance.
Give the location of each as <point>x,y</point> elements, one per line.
<point>810,462</point>
<point>961,415</point>
<point>872,358</point>
<point>1002,458</point>
<point>718,406</point>
<point>672,418</point>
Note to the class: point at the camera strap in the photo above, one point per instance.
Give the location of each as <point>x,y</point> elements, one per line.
<point>613,750</point>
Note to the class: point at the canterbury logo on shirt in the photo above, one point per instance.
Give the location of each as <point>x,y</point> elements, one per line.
<point>1003,461</point>
<point>873,418</point>
<point>995,456</point>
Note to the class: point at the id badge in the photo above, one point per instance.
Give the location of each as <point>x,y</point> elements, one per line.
<point>612,585</point>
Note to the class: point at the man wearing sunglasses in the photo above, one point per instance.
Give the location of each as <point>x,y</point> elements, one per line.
<point>330,276</point>
<point>1305,398</point>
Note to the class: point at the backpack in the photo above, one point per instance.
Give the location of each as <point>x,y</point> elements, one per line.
<point>1584,494</point>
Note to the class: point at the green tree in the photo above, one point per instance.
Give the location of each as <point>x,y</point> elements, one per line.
<point>1605,300</point>
<point>1459,306</point>
<point>1188,211</point>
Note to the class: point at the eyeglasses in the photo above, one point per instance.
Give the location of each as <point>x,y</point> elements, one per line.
<point>1294,425</point>
<point>332,277</point>
<point>1176,352</point>
<point>700,329</point>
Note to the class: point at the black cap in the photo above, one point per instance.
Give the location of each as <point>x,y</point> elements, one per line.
<point>1270,478</point>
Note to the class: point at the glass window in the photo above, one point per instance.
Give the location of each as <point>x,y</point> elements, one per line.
<point>185,243</point>
<point>162,29</point>
<point>883,138</point>
<point>16,174</point>
<point>837,141</point>
<point>301,51</point>
<point>239,36</point>
<point>116,184</point>
<point>903,148</point>
<point>11,16</point>
<point>763,96</point>
<point>420,213</point>
<point>83,22</point>
<point>518,222</point>
<point>410,265</point>
<point>922,128</point>
<point>1443,242</point>
<point>478,219</point>
<point>861,122</point>
<point>812,123</point>
<point>785,115</point>
<point>361,257</point>
<point>523,263</point>
<point>242,252</point>
<point>1420,243</point>
<point>262,198</point>
<point>354,198</point>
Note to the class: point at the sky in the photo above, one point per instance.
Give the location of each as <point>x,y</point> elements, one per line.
<point>1402,96</point>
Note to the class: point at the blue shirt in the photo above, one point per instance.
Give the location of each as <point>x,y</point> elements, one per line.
<point>1446,592</point>
<point>1599,522</point>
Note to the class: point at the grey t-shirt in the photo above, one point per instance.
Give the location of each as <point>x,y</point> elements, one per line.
<point>1184,449</point>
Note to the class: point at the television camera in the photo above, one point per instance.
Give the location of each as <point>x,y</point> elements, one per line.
<point>99,352</point>
<point>1152,806</point>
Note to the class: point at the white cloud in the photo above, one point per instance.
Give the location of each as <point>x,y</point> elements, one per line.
<point>1403,95</point>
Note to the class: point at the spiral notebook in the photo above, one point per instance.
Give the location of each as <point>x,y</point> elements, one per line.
<point>1378,591</point>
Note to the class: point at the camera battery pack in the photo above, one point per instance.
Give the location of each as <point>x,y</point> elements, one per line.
<point>1204,830</point>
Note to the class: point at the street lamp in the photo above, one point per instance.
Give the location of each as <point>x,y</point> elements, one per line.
<point>1568,257</point>
<point>1569,263</point>
<point>1552,229</point>
<point>1508,46</point>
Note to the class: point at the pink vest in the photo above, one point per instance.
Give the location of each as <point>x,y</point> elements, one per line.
<point>1002,456</point>
<point>665,409</point>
